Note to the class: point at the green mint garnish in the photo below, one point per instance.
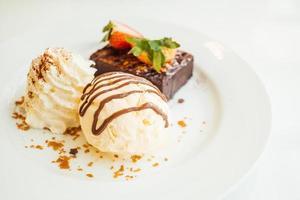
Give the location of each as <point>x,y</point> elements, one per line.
<point>153,49</point>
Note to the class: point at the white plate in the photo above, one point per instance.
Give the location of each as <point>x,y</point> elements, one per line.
<point>226,110</point>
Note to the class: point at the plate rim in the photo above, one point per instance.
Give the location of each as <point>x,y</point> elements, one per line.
<point>249,69</point>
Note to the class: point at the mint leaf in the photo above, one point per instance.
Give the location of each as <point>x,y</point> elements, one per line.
<point>156,60</point>
<point>133,40</point>
<point>155,45</point>
<point>153,49</point>
<point>169,43</point>
<point>163,58</point>
<point>141,43</point>
<point>136,51</point>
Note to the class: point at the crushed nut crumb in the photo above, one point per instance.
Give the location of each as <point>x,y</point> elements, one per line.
<point>155,164</point>
<point>135,158</point>
<point>119,172</point>
<point>181,123</point>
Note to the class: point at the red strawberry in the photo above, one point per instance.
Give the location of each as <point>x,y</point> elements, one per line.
<point>117,34</point>
<point>118,40</point>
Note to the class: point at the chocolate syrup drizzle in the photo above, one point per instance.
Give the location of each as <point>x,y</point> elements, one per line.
<point>95,91</point>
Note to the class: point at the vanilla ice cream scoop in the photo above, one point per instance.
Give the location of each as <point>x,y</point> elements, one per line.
<point>54,86</point>
<point>124,114</point>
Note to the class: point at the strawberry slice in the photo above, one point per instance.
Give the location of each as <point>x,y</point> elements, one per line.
<point>116,34</point>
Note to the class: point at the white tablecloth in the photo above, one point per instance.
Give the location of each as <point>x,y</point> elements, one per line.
<point>266,33</point>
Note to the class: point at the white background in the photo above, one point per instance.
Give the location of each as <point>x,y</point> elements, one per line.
<point>265,33</point>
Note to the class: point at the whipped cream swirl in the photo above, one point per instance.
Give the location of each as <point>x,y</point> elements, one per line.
<point>54,85</point>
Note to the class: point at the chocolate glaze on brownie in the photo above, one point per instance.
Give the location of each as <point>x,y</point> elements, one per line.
<point>173,76</point>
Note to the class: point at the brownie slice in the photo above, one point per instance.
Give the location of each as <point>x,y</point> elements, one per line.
<point>173,77</point>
